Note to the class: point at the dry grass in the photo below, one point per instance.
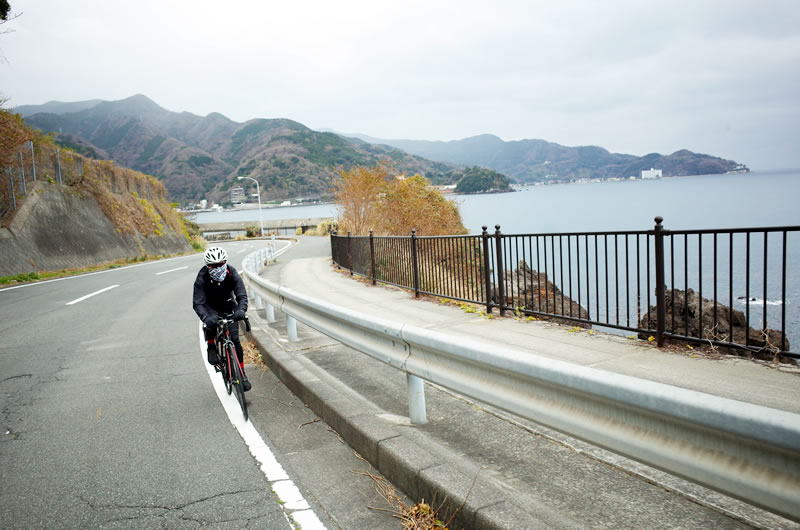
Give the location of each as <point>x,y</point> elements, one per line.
<point>134,203</point>
<point>420,516</point>
<point>252,355</point>
<point>61,273</point>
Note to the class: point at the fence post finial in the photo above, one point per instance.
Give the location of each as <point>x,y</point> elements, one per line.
<point>501,295</point>
<point>372,255</point>
<point>414,262</point>
<point>661,311</point>
<point>487,270</point>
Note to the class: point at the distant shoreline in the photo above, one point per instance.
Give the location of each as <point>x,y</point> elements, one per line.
<point>517,186</point>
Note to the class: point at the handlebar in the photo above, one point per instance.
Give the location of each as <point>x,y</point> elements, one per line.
<point>228,319</point>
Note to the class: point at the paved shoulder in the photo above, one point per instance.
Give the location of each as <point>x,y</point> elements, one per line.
<point>496,470</point>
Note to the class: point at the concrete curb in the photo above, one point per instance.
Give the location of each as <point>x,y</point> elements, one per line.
<point>422,469</point>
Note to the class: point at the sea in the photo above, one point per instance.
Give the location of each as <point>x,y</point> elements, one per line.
<point>756,199</point>
<point>741,200</point>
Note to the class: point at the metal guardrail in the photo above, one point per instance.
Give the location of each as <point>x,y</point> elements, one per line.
<point>747,451</point>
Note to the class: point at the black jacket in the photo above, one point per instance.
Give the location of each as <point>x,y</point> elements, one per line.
<point>218,297</point>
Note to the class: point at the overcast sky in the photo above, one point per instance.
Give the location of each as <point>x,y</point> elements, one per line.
<point>716,77</point>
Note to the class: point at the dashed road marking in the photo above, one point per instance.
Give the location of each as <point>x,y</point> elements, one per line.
<point>171,270</point>
<point>82,298</point>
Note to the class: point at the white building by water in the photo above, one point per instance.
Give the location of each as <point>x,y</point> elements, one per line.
<point>651,173</point>
<point>237,195</point>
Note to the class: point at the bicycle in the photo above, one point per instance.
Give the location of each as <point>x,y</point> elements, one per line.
<point>232,373</point>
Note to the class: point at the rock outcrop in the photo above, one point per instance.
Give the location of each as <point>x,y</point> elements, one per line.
<point>729,326</point>
<point>531,290</point>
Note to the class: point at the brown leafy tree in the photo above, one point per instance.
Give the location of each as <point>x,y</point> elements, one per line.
<point>410,203</point>
<point>357,192</point>
<point>13,133</point>
<point>375,199</point>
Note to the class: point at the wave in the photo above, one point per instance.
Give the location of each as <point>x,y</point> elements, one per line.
<point>754,300</point>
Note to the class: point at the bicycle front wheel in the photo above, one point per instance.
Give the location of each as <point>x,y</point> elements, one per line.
<point>228,360</point>
<point>237,380</point>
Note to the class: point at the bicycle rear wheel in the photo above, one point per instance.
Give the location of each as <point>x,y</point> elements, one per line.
<point>237,380</point>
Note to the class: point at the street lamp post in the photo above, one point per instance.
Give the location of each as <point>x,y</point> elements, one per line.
<point>258,191</point>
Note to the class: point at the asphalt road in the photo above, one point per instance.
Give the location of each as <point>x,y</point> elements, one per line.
<point>108,415</point>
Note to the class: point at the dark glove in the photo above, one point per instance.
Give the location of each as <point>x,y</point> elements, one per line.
<point>239,314</point>
<point>211,320</point>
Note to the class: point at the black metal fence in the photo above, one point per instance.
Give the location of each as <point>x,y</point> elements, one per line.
<point>725,288</point>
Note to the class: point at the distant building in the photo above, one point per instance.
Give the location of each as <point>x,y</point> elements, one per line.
<point>237,195</point>
<point>651,173</point>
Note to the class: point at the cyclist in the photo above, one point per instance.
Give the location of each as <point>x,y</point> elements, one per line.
<point>218,289</point>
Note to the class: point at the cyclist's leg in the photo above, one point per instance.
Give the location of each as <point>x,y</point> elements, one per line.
<point>209,334</point>
<point>234,336</point>
<point>239,354</point>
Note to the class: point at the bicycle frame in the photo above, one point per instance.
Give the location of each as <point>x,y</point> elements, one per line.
<point>232,372</point>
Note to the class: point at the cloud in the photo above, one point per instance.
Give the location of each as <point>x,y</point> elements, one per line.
<point>716,76</point>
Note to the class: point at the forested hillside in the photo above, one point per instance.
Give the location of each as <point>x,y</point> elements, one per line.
<point>542,161</point>
<point>200,157</point>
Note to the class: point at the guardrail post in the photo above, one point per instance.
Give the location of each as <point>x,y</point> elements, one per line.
<point>291,328</point>
<point>661,310</point>
<point>270,313</point>
<point>501,295</point>
<point>416,400</point>
<point>350,252</point>
<point>414,264</point>
<point>372,256</point>
<point>487,273</point>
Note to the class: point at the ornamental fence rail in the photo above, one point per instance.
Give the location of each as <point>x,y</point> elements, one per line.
<point>726,288</point>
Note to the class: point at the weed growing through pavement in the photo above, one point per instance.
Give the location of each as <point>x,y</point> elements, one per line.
<point>420,516</point>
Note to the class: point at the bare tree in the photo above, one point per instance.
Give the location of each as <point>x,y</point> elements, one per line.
<point>5,17</point>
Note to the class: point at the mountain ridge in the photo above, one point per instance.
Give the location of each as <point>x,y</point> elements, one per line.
<point>535,160</point>
<point>202,156</point>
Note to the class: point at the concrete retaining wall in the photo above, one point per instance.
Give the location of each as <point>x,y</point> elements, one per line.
<point>58,228</point>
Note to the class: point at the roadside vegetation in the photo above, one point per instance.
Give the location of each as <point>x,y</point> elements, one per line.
<point>380,200</point>
<point>134,203</point>
<point>31,277</point>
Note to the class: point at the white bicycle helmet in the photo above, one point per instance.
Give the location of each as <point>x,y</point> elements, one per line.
<point>215,255</point>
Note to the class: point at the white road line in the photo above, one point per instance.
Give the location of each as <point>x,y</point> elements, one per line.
<point>82,298</point>
<point>78,276</point>
<point>171,270</point>
<point>293,504</point>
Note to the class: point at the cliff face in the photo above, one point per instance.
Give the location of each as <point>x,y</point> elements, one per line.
<point>58,229</point>
<point>82,212</point>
